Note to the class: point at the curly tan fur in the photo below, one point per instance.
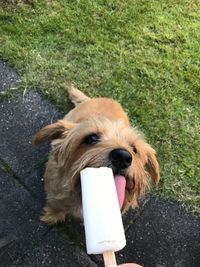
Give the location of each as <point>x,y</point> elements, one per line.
<point>70,154</point>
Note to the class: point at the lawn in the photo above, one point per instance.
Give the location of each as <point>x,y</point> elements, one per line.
<point>145,54</point>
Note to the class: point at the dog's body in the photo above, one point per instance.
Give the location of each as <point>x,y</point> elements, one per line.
<point>95,133</point>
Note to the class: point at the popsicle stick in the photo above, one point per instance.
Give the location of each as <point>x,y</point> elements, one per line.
<point>109,259</point>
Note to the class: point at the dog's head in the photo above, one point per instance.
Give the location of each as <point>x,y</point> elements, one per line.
<point>98,142</point>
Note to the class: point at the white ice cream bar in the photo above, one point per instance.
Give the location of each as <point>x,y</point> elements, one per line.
<point>104,229</point>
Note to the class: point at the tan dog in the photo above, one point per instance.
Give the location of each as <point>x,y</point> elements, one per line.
<point>95,133</point>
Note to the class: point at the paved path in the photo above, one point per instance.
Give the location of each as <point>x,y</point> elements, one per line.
<point>159,233</point>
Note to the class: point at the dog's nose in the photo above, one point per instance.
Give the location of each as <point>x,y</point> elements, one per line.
<point>120,158</point>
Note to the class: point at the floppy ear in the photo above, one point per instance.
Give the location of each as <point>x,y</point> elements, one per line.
<point>152,164</point>
<point>52,131</point>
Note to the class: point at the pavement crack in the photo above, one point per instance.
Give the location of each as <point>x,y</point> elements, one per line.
<point>9,170</point>
<point>6,244</point>
<point>96,259</point>
<point>38,240</point>
<point>50,228</point>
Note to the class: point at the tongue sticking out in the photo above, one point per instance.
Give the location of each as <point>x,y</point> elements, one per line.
<point>120,183</point>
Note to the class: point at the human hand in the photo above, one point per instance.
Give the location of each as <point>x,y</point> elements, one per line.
<point>129,265</point>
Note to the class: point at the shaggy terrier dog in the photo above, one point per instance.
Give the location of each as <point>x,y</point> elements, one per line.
<point>95,133</point>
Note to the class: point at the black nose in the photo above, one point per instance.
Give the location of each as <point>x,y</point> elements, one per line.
<point>120,158</point>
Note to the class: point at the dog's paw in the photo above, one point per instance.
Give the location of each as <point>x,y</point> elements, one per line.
<point>52,216</point>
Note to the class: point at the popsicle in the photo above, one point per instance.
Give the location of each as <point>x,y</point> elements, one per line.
<point>104,229</point>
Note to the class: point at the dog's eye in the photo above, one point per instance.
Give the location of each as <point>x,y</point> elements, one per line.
<point>134,149</point>
<point>92,139</point>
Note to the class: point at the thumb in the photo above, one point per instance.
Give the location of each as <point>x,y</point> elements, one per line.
<point>129,265</point>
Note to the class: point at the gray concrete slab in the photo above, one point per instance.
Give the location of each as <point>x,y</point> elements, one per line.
<point>24,240</point>
<point>8,76</point>
<point>20,119</point>
<point>55,250</point>
<point>19,220</point>
<point>162,234</point>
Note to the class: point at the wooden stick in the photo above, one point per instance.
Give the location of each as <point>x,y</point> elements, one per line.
<point>109,259</point>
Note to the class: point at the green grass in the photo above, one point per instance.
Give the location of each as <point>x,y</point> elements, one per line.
<point>145,54</point>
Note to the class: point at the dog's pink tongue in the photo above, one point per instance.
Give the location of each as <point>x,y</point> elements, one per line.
<point>120,183</point>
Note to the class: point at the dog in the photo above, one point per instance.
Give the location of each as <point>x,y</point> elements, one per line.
<point>95,133</point>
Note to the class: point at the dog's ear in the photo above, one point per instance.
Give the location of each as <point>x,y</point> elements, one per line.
<point>52,131</point>
<point>152,164</point>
